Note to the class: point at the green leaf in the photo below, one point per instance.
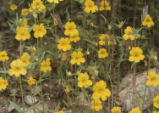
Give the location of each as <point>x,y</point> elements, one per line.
<point>16,106</point>
<point>3,72</point>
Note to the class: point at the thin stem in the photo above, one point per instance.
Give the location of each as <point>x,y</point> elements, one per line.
<point>22,93</point>
<point>134,86</point>
<point>42,96</point>
<point>20,48</point>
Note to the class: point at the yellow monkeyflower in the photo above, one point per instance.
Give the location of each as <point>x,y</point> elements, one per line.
<point>83,80</point>
<point>39,30</point>
<point>25,58</point>
<point>96,105</point>
<point>156,101</point>
<point>128,33</point>
<point>100,91</point>
<point>148,22</point>
<point>61,111</point>
<point>24,12</point>
<point>31,81</point>
<point>3,84</point>
<point>64,57</point>
<point>104,5</point>
<point>152,79</point>
<point>70,29</point>
<point>37,5</point>
<point>116,110</point>
<point>102,53</point>
<point>77,58</point>
<point>103,38</point>
<point>54,1</point>
<point>17,68</point>
<point>45,65</point>
<point>22,33</point>
<point>13,7</point>
<point>23,22</point>
<point>90,7</point>
<point>3,56</point>
<point>64,44</point>
<point>67,90</point>
<point>74,37</point>
<point>135,110</point>
<point>136,55</point>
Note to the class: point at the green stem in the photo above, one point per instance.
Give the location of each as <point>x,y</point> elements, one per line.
<point>42,96</point>
<point>20,48</point>
<point>22,93</point>
<point>134,86</point>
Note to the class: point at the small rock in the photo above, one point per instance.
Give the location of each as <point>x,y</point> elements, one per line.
<point>30,100</point>
<point>10,108</point>
<point>143,96</point>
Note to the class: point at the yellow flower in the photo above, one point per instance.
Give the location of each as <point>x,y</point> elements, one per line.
<point>136,54</point>
<point>45,65</point>
<point>90,7</point>
<point>104,5</point>
<point>55,22</point>
<point>128,33</point>
<point>54,1</point>
<point>67,90</point>
<point>77,58</point>
<point>70,29</point>
<point>148,22</point>
<point>64,57</point>
<point>22,33</point>
<point>74,37</point>
<point>103,38</point>
<point>116,110</point>
<point>96,105</point>
<point>3,56</point>
<point>25,58</point>
<point>102,53</point>
<point>152,79</point>
<point>24,12</point>
<point>100,91</point>
<point>3,84</point>
<point>13,7</point>
<point>64,44</point>
<point>23,23</point>
<point>39,30</point>
<point>61,111</point>
<point>37,5</point>
<point>156,101</point>
<point>69,74</point>
<point>31,81</point>
<point>135,110</point>
<point>17,68</point>
<point>83,80</point>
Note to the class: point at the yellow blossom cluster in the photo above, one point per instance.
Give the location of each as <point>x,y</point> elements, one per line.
<point>90,6</point>
<point>152,79</point>
<point>104,5</point>
<point>136,55</point>
<point>45,65</point>
<point>100,93</point>
<point>135,110</point>
<point>77,58</point>
<point>39,30</point>
<point>148,22</point>
<point>54,1</point>
<point>3,84</point>
<point>3,56</point>
<point>83,80</point>
<point>128,33</point>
